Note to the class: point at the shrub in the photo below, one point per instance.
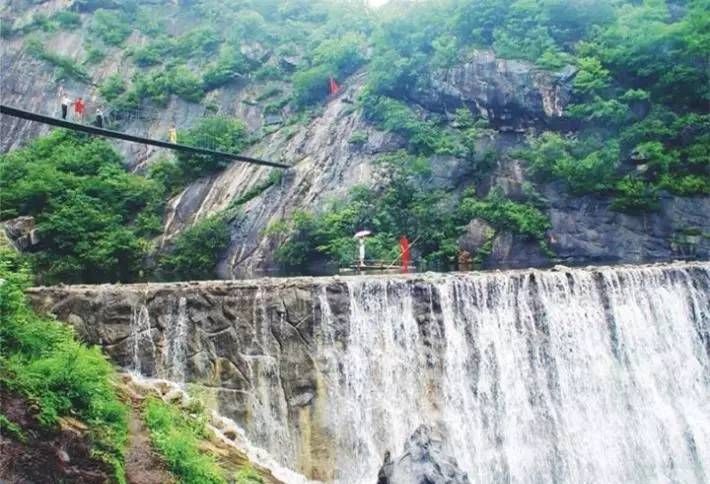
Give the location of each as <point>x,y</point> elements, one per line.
<point>42,360</point>
<point>67,19</point>
<point>311,85</point>
<point>111,26</point>
<point>94,55</point>
<point>424,137</point>
<point>112,87</point>
<point>197,250</point>
<point>216,133</point>
<point>186,84</point>
<point>506,214</point>
<point>633,195</point>
<point>584,167</point>
<point>247,475</point>
<point>167,173</point>
<point>338,58</point>
<point>230,64</point>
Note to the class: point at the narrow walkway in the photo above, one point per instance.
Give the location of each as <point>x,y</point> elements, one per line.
<point>143,465</point>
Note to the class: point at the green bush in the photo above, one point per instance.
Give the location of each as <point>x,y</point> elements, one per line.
<point>94,55</point>
<point>156,52</point>
<point>633,195</point>
<point>84,203</point>
<point>424,137</point>
<point>217,133</point>
<point>42,360</point>
<point>230,64</point>
<point>585,167</point>
<point>338,58</point>
<point>112,87</point>
<point>67,20</point>
<point>197,250</point>
<point>186,84</point>
<point>111,26</point>
<point>506,214</point>
<point>311,85</point>
<point>177,437</point>
<point>10,428</point>
<point>247,475</point>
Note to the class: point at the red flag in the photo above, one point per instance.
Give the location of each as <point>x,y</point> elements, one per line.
<point>404,247</point>
<point>334,88</point>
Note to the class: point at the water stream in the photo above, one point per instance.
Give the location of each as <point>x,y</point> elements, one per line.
<point>578,376</point>
<point>538,378</point>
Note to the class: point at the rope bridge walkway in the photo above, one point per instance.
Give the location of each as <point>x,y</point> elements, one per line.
<point>108,133</point>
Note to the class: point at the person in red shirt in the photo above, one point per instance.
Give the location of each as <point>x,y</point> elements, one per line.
<point>405,249</point>
<point>79,108</point>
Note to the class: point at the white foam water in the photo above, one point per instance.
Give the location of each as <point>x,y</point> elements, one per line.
<point>531,377</point>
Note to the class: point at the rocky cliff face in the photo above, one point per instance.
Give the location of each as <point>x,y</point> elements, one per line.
<point>510,94</point>
<point>330,373</point>
<point>514,96</point>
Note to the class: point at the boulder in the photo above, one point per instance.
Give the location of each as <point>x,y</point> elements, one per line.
<point>512,250</point>
<point>476,233</point>
<point>423,462</point>
<point>21,232</point>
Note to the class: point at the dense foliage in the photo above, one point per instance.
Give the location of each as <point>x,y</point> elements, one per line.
<point>197,250</point>
<point>91,215</point>
<point>433,220</point>
<point>216,133</point>
<point>41,359</point>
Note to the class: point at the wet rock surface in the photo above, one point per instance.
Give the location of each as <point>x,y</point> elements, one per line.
<point>422,462</point>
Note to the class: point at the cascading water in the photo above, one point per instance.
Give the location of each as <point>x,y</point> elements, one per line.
<point>176,346</point>
<point>533,378</point>
<point>141,337</point>
<point>578,376</point>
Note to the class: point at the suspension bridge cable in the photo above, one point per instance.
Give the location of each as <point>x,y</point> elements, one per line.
<point>40,118</point>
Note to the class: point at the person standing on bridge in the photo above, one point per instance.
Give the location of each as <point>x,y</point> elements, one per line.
<point>79,108</point>
<point>99,117</point>
<point>65,105</point>
<point>172,134</point>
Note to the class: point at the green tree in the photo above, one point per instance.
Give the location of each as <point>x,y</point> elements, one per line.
<point>216,133</point>
<point>197,250</point>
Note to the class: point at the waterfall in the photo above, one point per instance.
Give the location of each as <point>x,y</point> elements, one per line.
<point>531,377</point>
<point>571,376</point>
<point>176,346</point>
<point>142,339</point>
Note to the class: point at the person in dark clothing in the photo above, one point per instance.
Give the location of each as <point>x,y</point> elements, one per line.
<point>99,117</point>
<point>65,106</point>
